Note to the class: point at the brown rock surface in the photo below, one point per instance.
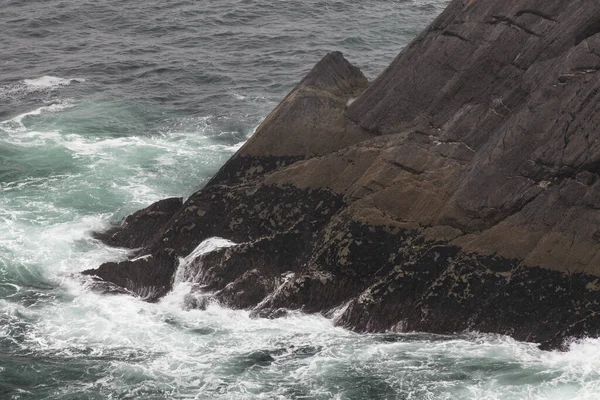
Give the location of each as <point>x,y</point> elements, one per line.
<point>459,191</point>
<point>321,127</point>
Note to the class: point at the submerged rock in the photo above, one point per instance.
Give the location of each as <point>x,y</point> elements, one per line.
<point>459,191</point>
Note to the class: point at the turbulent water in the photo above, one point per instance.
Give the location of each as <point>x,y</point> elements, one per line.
<point>107,106</point>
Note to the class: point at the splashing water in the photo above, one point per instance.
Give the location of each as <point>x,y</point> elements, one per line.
<point>107,106</point>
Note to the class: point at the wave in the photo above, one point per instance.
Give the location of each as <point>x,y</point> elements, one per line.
<point>226,354</point>
<point>188,272</point>
<point>46,83</point>
<point>16,124</point>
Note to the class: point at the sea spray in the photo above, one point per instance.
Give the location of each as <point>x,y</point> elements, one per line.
<point>188,274</point>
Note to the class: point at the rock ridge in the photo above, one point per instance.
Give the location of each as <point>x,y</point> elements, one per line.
<point>458,191</point>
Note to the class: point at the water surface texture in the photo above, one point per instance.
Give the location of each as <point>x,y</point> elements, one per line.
<point>107,106</point>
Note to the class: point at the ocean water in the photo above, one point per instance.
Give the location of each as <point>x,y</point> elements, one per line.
<point>107,106</point>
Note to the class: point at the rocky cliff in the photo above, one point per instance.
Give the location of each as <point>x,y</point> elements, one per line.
<point>457,191</point>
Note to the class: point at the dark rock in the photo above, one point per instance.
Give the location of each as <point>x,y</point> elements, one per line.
<point>149,277</point>
<point>310,120</point>
<point>105,287</point>
<point>141,226</point>
<point>269,313</point>
<point>459,191</point>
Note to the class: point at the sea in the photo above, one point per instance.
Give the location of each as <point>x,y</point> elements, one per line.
<point>107,106</point>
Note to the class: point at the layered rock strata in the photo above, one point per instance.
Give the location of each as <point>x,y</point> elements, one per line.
<point>458,191</point>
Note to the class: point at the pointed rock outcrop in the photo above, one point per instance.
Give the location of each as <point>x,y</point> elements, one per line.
<point>311,121</point>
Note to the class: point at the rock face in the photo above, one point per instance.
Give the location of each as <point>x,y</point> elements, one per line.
<point>457,191</point>
<point>139,227</point>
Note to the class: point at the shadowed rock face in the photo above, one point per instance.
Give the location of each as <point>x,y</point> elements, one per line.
<point>458,191</point>
<point>149,277</point>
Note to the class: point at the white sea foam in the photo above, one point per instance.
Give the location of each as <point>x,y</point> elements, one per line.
<point>140,348</point>
<point>207,246</point>
<point>50,82</point>
<point>27,87</point>
<point>184,278</point>
<point>125,159</point>
<point>225,148</point>
<point>16,125</point>
<point>225,354</point>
